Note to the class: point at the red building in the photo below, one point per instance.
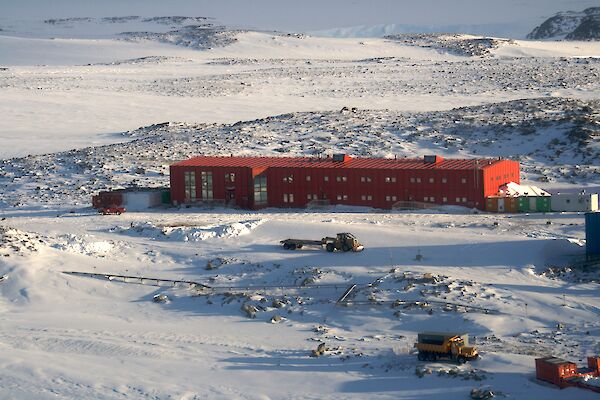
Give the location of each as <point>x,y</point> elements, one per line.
<point>566,374</point>
<point>258,182</point>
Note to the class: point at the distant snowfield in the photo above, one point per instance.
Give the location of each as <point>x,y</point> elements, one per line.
<point>52,100</point>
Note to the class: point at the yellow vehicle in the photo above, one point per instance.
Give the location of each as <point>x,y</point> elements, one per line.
<point>454,346</point>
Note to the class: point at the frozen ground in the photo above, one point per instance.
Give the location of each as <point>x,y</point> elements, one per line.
<point>508,280</point>
<point>63,93</point>
<point>65,336</point>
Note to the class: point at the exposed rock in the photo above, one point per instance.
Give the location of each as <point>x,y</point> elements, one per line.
<point>250,310</point>
<point>319,351</point>
<point>160,298</point>
<point>275,319</point>
<point>570,25</point>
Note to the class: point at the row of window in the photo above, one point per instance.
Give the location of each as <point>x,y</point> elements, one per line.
<point>367,179</point>
<point>289,198</point>
<point>505,177</point>
<point>206,185</point>
<point>260,189</point>
<point>190,179</point>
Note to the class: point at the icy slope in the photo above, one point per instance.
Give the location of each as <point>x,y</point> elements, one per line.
<point>556,140</point>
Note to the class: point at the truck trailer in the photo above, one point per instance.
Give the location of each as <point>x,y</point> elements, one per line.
<point>433,346</point>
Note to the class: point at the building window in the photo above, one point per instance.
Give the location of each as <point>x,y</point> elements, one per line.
<point>464,180</point>
<point>444,180</point>
<point>189,178</point>
<point>458,199</point>
<point>366,197</point>
<point>341,178</point>
<point>207,185</point>
<point>412,180</point>
<point>444,199</point>
<point>260,189</point>
<point>464,199</point>
<point>432,199</point>
<point>289,178</point>
<point>342,197</point>
<point>326,178</point>
<point>418,180</point>
<point>288,197</point>
<point>390,179</point>
<point>308,178</point>
<point>365,179</point>
<point>390,198</point>
<point>431,180</point>
<point>230,177</point>
<point>311,197</point>
<point>425,198</point>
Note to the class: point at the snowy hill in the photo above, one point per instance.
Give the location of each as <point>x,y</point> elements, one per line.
<point>570,25</point>
<point>203,302</point>
<point>555,140</point>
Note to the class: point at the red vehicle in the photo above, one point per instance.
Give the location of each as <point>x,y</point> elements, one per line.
<point>111,210</point>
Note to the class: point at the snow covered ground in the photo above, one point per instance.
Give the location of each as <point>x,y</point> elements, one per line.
<point>65,336</point>
<point>508,280</point>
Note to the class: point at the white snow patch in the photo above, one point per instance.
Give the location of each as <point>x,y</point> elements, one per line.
<point>190,234</point>
<point>78,245</point>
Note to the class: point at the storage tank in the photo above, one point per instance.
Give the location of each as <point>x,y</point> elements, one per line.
<point>592,235</point>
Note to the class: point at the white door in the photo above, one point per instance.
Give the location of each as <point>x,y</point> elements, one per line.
<point>532,204</point>
<point>500,205</point>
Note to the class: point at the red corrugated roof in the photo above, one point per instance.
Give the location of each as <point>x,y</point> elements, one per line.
<point>315,162</point>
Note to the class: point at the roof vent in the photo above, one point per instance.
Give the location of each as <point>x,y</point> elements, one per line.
<point>432,159</point>
<point>341,157</point>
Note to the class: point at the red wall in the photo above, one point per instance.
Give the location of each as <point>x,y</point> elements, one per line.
<point>242,186</point>
<point>479,184</point>
<point>498,174</point>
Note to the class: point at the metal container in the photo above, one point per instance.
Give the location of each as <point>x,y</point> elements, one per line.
<point>592,235</point>
<point>438,338</point>
<point>524,204</point>
<point>594,364</point>
<point>554,370</point>
<point>543,204</point>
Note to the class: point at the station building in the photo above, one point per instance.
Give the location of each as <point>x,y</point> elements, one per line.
<point>297,182</point>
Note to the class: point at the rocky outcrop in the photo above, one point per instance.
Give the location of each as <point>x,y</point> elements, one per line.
<point>570,25</point>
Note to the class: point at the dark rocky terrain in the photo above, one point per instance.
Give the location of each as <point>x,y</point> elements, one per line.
<point>570,25</point>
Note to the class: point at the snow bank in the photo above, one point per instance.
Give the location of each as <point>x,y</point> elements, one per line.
<point>190,234</point>
<point>78,245</point>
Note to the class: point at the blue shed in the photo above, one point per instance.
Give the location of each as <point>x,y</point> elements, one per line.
<point>592,235</point>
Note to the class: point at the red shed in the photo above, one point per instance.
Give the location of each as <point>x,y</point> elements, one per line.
<point>554,370</point>
<point>258,182</point>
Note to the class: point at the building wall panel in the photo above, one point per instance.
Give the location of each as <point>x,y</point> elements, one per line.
<point>429,183</point>
<point>592,234</point>
<point>574,202</point>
